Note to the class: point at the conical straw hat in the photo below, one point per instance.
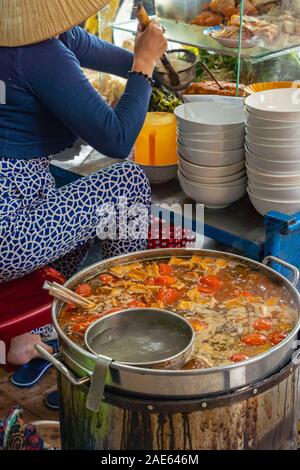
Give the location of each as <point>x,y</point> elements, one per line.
<point>24,22</point>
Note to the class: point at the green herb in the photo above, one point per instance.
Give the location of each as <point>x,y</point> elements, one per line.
<point>163,100</point>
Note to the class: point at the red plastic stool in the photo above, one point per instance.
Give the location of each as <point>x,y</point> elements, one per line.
<point>24,305</point>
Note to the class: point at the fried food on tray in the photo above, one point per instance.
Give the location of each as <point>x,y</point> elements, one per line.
<point>232,32</point>
<point>219,11</point>
<point>223,7</point>
<point>208,18</point>
<point>211,88</point>
<point>249,8</point>
<point>255,27</point>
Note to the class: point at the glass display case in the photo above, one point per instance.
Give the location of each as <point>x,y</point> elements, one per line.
<point>266,48</point>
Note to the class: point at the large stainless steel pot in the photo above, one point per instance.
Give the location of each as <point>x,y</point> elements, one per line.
<point>260,416</point>
<point>77,364</point>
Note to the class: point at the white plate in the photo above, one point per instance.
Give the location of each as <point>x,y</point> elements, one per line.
<point>227,42</point>
<point>212,197</point>
<point>206,158</point>
<point>209,171</point>
<point>281,103</point>
<point>209,116</point>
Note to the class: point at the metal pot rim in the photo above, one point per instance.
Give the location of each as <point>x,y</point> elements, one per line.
<point>180,252</point>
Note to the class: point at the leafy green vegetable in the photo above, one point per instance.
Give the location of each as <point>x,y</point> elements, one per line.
<point>163,100</point>
<point>283,68</point>
<point>224,67</point>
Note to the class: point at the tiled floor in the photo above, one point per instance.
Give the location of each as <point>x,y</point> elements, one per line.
<point>30,399</point>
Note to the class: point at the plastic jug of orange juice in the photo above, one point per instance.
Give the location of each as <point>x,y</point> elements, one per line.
<point>156,144</point>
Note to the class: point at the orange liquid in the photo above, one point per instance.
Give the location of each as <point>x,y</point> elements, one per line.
<point>156,144</point>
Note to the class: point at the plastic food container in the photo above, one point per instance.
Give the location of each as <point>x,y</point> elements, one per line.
<point>156,144</point>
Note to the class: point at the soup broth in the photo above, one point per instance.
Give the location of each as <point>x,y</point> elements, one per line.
<point>237,312</point>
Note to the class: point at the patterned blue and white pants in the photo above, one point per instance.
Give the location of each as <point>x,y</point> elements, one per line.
<point>40,225</point>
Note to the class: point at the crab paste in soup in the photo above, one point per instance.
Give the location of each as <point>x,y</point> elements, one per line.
<point>236,311</point>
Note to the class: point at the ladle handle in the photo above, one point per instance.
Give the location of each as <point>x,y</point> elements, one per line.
<point>144,20</point>
<point>207,70</point>
<point>142,16</point>
<point>66,295</point>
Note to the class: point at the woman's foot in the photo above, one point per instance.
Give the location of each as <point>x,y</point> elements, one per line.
<point>52,400</point>
<point>22,349</point>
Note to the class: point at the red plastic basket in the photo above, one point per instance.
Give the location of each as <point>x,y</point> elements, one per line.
<point>165,235</point>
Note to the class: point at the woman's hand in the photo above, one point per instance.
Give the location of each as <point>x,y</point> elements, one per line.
<point>150,45</point>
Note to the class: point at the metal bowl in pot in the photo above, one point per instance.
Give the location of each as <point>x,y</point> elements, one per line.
<point>78,364</point>
<point>149,337</point>
<point>186,76</point>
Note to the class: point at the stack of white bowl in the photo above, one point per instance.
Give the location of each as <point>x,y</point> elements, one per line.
<point>273,150</point>
<point>210,143</point>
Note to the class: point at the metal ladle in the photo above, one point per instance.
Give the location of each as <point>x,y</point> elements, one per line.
<point>207,70</point>
<point>174,76</point>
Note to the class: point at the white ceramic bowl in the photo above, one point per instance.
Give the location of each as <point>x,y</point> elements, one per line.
<point>262,164</point>
<point>213,146</point>
<point>214,197</point>
<point>274,142</point>
<point>209,181</point>
<point>233,180</point>
<point>282,193</point>
<point>206,158</point>
<point>160,174</point>
<point>254,182</point>
<point>281,103</point>
<point>209,117</point>
<point>273,133</point>
<point>235,133</point>
<point>253,120</point>
<point>273,179</point>
<point>275,153</point>
<point>210,171</point>
<point>263,206</point>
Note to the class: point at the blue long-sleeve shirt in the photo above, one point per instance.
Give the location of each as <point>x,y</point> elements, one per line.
<point>50,102</point>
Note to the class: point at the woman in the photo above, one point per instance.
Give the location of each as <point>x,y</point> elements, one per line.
<point>49,104</point>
